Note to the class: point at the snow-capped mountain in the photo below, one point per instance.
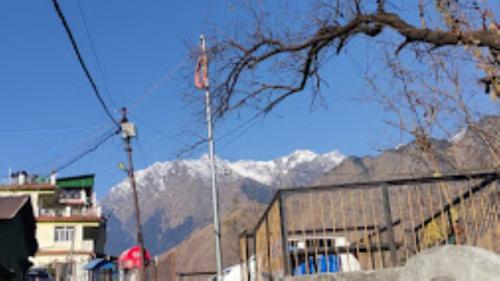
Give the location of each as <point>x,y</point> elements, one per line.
<point>299,167</point>
<point>175,195</point>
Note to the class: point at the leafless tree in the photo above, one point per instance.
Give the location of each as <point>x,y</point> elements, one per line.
<point>300,52</point>
<point>424,45</point>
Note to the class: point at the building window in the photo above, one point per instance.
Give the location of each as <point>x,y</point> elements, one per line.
<point>69,194</point>
<point>64,233</point>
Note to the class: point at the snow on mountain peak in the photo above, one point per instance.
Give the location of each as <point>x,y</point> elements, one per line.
<point>303,155</point>
<point>298,157</point>
<point>334,156</point>
<point>267,172</point>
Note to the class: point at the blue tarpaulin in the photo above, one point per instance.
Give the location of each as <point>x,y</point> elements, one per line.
<point>100,264</point>
<point>330,264</point>
<point>92,264</point>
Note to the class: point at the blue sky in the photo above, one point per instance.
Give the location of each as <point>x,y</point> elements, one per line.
<point>49,113</point>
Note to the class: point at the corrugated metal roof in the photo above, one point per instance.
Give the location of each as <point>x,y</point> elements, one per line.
<point>10,206</point>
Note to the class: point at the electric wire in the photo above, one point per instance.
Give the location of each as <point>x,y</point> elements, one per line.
<point>67,157</point>
<point>140,99</point>
<point>42,130</point>
<point>245,127</point>
<point>156,130</point>
<point>103,139</point>
<point>95,136</point>
<point>94,53</point>
<point>86,152</point>
<point>81,61</point>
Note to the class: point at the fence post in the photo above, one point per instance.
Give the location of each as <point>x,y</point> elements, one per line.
<point>284,234</point>
<point>268,247</point>
<point>388,223</point>
<point>247,245</point>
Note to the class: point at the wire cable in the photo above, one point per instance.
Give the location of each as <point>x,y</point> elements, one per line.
<point>85,152</point>
<point>158,84</point>
<point>219,141</point>
<point>81,61</point>
<point>94,53</point>
<point>96,135</point>
<point>42,130</point>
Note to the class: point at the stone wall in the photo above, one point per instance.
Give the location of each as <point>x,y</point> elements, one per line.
<point>447,263</point>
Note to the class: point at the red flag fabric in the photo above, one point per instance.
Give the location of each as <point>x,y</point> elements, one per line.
<point>201,72</point>
<point>131,258</point>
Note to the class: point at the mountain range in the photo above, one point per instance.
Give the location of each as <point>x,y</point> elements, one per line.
<point>175,196</point>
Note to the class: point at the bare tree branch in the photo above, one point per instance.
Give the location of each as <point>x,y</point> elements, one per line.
<point>249,56</point>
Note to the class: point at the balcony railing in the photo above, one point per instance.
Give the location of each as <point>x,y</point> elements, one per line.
<point>70,212</point>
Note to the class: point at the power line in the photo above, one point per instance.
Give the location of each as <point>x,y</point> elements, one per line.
<point>250,122</point>
<point>96,135</point>
<point>245,127</point>
<point>42,130</point>
<point>94,52</point>
<point>156,130</point>
<point>85,152</point>
<point>82,63</point>
<point>158,84</point>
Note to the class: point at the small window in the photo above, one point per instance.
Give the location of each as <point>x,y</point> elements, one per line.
<point>64,233</point>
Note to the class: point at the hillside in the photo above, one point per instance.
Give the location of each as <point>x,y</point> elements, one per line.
<point>465,151</point>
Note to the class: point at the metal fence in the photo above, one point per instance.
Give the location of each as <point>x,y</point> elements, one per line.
<point>370,225</point>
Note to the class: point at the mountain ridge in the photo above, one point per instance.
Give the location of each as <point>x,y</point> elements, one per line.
<point>175,196</point>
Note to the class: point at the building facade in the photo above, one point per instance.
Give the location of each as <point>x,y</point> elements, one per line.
<point>70,228</point>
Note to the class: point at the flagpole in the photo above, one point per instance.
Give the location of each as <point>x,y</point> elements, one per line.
<point>211,151</point>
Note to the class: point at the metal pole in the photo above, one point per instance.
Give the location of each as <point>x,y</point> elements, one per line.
<point>388,223</point>
<point>131,176</point>
<point>215,192</point>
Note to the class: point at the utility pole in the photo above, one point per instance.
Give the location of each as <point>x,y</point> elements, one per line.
<point>128,132</point>
<point>202,82</point>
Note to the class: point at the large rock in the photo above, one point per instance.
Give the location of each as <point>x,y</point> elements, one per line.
<point>452,263</point>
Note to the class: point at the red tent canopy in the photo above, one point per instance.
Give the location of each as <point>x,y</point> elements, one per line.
<point>131,258</point>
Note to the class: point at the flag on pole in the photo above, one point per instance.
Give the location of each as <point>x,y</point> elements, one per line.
<point>201,71</point>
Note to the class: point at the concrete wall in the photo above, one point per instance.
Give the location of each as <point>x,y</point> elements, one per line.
<point>45,235</point>
<point>448,263</point>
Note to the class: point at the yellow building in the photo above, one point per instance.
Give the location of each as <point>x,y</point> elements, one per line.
<point>70,227</point>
